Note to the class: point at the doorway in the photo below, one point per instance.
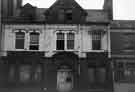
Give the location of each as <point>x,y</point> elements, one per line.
<point>64,80</point>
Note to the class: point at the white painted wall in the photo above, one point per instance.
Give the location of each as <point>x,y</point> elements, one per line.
<point>83,40</point>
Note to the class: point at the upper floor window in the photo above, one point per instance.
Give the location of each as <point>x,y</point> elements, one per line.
<point>70,40</point>
<point>60,41</point>
<point>34,41</point>
<point>20,40</point>
<point>65,41</point>
<point>96,40</point>
<point>68,15</point>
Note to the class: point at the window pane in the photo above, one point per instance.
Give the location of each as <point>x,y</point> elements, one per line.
<point>19,44</point>
<point>20,35</point>
<point>60,44</point>
<point>96,40</point>
<point>38,73</point>
<point>34,41</point>
<point>70,44</point>
<point>70,40</point>
<point>100,75</point>
<point>25,73</point>
<point>34,38</point>
<point>96,44</point>
<point>34,47</point>
<point>60,36</point>
<point>60,41</point>
<point>68,15</point>
<point>11,72</point>
<point>91,75</point>
<point>20,38</point>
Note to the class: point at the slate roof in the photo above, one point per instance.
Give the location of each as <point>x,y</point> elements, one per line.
<point>92,15</point>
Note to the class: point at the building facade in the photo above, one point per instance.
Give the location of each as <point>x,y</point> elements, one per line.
<point>64,48</point>
<point>122,46</point>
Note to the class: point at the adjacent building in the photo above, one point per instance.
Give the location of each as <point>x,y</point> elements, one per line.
<point>123,55</point>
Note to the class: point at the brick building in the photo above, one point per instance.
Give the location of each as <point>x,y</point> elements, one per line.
<point>61,48</point>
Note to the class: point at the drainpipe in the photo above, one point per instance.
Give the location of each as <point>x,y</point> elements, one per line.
<point>79,50</point>
<point>109,42</point>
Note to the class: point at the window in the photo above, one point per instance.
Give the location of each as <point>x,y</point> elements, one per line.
<point>60,41</point>
<point>25,73</point>
<point>96,40</point>
<point>20,39</point>
<point>38,73</point>
<point>125,71</point>
<point>61,15</point>
<point>34,41</point>
<point>68,15</point>
<point>70,40</point>
<point>96,75</point>
<point>65,41</point>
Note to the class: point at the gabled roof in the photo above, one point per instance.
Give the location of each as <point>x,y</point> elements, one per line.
<point>28,5</point>
<point>96,16</point>
<point>65,4</point>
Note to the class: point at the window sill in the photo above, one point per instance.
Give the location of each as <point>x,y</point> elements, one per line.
<point>95,51</point>
<point>65,51</point>
<point>25,50</point>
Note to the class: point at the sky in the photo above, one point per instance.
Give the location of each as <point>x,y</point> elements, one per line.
<point>122,9</point>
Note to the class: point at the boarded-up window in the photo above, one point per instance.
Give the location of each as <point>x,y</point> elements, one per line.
<point>38,73</point>
<point>91,75</point>
<point>96,75</point>
<point>100,75</point>
<point>20,39</point>
<point>25,73</point>
<point>125,71</point>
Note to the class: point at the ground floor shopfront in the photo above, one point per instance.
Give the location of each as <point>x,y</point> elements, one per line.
<point>63,72</point>
<point>124,74</point>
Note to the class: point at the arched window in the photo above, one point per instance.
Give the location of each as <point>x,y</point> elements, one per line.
<point>34,41</point>
<point>20,39</point>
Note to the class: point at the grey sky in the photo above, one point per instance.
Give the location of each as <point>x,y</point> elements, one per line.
<point>123,9</point>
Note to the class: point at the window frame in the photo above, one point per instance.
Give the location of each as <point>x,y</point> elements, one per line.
<point>91,36</point>
<point>15,75</point>
<point>23,31</point>
<point>96,40</point>
<point>96,71</point>
<point>37,32</point>
<point>124,73</point>
<point>65,39</point>
<point>70,39</point>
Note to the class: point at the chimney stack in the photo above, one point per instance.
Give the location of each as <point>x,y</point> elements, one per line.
<point>108,7</point>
